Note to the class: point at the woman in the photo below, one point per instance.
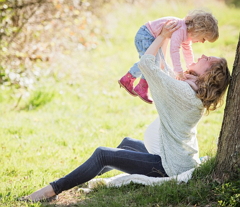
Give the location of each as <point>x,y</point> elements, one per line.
<point>170,146</point>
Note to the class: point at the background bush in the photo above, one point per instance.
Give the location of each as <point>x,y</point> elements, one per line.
<point>36,30</point>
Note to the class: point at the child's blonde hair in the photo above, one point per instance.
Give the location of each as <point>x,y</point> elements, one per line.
<point>203,23</point>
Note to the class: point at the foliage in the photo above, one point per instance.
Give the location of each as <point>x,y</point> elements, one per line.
<point>233,3</point>
<point>228,194</point>
<point>38,98</point>
<point>36,31</point>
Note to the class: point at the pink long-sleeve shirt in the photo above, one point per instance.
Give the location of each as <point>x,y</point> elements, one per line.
<point>179,39</point>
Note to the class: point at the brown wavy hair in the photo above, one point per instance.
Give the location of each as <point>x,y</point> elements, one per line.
<point>201,23</point>
<point>213,84</point>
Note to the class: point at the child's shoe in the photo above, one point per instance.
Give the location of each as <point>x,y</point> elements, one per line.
<point>142,91</point>
<point>127,83</point>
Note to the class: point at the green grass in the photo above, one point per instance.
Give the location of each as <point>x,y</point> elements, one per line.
<point>80,107</point>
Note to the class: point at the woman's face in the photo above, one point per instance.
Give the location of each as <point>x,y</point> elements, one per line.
<point>203,63</point>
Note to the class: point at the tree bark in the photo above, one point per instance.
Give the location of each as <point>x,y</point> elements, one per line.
<point>228,153</point>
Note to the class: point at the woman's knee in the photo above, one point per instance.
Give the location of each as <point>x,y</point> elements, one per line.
<point>102,151</point>
<point>124,142</point>
<point>102,155</point>
<point>99,150</point>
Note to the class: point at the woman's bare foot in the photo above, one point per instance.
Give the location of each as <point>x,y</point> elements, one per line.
<point>42,194</point>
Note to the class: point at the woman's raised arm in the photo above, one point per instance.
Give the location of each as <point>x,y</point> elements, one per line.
<point>168,28</point>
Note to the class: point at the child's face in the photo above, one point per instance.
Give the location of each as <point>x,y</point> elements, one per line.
<point>199,38</point>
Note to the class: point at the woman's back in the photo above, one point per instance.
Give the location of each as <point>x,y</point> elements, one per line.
<point>174,133</point>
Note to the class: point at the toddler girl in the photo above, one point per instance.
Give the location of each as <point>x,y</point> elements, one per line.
<point>197,26</point>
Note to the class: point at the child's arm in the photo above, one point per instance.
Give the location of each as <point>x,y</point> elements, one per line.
<point>188,53</point>
<point>175,44</point>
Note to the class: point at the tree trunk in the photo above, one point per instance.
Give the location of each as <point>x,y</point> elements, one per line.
<point>228,153</point>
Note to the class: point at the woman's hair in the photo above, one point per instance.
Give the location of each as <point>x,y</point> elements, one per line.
<point>202,23</point>
<point>213,84</point>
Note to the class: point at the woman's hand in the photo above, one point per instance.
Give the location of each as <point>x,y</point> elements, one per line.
<point>168,28</point>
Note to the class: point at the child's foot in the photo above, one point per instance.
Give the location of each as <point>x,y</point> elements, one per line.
<point>142,91</point>
<point>127,83</point>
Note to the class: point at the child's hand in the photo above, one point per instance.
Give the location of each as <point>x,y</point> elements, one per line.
<point>180,76</point>
<point>191,77</point>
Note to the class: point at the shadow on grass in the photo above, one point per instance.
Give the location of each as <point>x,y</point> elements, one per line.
<point>200,191</point>
<point>100,196</point>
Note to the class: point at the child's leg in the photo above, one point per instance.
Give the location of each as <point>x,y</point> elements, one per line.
<point>142,91</point>
<point>143,40</point>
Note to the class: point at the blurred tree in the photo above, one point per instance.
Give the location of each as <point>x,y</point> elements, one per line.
<point>228,153</point>
<point>233,2</point>
<point>32,31</point>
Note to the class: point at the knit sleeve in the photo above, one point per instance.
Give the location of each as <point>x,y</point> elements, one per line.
<point>164,85</point>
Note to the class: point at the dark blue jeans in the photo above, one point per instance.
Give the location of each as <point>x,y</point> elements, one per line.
<point>130,156</point>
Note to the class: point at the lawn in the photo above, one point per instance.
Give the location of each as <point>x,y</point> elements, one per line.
<point>79,106</point>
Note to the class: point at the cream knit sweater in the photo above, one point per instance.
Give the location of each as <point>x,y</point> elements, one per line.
<point>179,111</point>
